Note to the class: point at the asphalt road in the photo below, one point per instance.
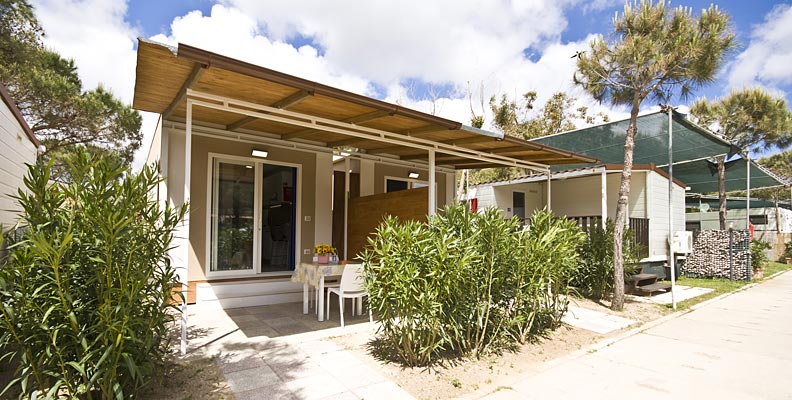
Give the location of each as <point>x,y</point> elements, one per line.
<point>738,347</point>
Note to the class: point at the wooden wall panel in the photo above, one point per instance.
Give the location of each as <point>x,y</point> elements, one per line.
<point>366,213</point>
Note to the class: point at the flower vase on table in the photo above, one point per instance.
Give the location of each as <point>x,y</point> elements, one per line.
<point>323,252</point>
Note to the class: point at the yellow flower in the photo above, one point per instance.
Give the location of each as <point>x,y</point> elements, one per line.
<point>324,249</point>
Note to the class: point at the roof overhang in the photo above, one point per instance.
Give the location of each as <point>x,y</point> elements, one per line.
<point>242,97</point>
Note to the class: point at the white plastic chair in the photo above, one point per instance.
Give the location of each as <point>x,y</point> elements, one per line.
<point>350,287</point>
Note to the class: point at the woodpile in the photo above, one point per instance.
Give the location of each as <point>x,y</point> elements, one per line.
<point>712,256</point>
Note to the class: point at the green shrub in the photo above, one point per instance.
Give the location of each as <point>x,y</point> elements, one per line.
<point>758,257</point>
<point>594,278</point>
<point>787,251</point>
<point>467,284</point>
<point>86,291</point>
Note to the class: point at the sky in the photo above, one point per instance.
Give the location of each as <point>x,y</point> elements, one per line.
<point>445,57</point>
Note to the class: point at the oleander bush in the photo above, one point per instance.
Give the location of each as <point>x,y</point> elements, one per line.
<point>86,290</point>
<point>594,278</point>
<point>467,284</point>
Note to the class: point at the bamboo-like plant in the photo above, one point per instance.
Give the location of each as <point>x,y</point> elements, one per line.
<point>87,290</point>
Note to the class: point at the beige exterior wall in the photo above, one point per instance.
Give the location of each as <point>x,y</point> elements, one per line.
<point>310,193</point>
<point>17,151</point>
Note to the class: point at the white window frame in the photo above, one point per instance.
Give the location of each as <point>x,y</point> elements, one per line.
<point>258,164</point>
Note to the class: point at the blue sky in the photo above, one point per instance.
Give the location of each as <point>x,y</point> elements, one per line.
<point>426,55</point>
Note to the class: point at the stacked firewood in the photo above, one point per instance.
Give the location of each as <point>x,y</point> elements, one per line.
<point>712,256</point>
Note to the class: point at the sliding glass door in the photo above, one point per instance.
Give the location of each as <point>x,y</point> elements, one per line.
<point>253,215</point>
<point>278,217</point>
<point>233,217</point>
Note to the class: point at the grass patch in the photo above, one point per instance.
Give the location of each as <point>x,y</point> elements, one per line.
<point>775,267</point>
<point>720,287</point>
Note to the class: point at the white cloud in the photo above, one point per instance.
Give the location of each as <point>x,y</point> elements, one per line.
<point>766,60</point>
<point>231,32</point>
<point>356,45</point>
<point>438,41</point>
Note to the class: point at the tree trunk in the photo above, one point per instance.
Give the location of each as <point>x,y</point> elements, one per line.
<point>777,213</point>
<point>722,192</point>
<point>617,303</point>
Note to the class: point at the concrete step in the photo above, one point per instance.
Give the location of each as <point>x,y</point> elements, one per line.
<point>249,293</point>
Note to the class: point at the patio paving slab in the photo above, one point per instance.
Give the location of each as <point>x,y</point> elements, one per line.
<point>681,293</point>
<point>594,321</point>
<point>272,392</point>
<point>316,387</point>
<point>276,352</point>
<point>252,378</point>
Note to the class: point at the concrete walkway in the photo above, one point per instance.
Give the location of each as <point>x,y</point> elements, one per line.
<point>737,347</point>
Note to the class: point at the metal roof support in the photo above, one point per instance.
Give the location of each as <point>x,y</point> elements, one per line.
<point>748,190</point>
<point>549,192</point>
<point>432,182</point>
<point>604,195</point>
<point>206,131</point>
<point>347,168</point>
<point>185,234</point>
<point>309,121</point>
<point>671,259</point>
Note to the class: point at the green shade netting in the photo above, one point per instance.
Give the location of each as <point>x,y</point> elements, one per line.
<point>702,176</point>
<point>691,145</point>
<point>734,203</point>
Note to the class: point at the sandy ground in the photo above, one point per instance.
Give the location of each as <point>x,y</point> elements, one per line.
<point>449,381</point>
<point>196,378</point>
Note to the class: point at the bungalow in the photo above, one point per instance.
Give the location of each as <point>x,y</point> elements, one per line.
<point>272,164</point>
<point>21,148</point>
<point>588,195</point>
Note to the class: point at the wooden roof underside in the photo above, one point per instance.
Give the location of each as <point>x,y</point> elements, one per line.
<point>164,75</point>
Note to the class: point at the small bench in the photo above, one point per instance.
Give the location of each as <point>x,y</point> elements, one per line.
<point>638,280</point>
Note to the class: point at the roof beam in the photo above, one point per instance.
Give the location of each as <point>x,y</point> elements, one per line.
<point>519,150</point>
<point>283,103</point>
<point>467,140</point>
<point>195,74</point>
<point>358,119</point>
<point>420,132</point>
<point>223,103</point>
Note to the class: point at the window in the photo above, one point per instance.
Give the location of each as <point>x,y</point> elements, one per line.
<point>393,185</point>
<point>759,219</point>
<point>396,184</point>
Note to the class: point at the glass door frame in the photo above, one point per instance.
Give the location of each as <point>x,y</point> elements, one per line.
<point>211,204</point>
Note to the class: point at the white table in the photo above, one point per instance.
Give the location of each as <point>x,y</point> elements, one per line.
<point>311,274</point>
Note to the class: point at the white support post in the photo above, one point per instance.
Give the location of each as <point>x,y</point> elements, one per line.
<point>549,191</point>
<point>748,190</point>
<point>432,184</point>
<point>671,204</point>
<point>346,207</point>
<point>186,225</point>
<point>604,194</point>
